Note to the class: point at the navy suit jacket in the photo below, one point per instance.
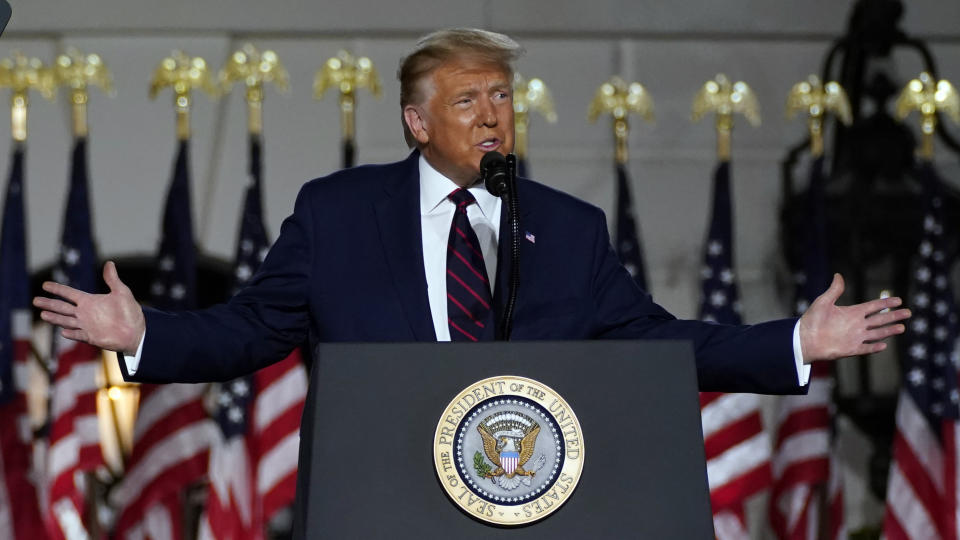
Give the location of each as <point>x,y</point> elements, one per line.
<point>348,267</point>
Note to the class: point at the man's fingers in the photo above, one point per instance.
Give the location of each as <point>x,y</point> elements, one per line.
<point>63,291</point>
<point>832,294</point>
<point>878,334</point>
<point>887,317</point>
<point>870,348</point>
<point>112,278</point>
<point>59,320</point>
<point>54,305</point>
<point>873,307</point>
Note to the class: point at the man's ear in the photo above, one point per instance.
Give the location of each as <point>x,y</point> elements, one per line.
<point>416,123</point>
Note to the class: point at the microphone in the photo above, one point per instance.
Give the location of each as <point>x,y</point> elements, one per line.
<point>494,172</point>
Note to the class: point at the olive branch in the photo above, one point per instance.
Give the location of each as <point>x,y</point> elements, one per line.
<point>480,465</point>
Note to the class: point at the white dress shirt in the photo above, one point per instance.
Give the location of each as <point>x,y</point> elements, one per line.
<point>436,214</point>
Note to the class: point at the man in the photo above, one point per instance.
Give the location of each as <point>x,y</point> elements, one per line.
<point>409,251</point>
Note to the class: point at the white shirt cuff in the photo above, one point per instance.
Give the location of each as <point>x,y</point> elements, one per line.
<point>133,362</point>
<point>803,370</point>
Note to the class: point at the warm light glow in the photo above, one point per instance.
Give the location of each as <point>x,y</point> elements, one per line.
<point>115,393</point>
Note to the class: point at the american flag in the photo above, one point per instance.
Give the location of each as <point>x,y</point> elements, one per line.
<point>629,247</point>
<point>737,449</point>
<point>173,432</point>
<point>253,465</point>
<point>922,492</point>
<point>19,505</point>
<point>74,433</point>
<point>803,460</point>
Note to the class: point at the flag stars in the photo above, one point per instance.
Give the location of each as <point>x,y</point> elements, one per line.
<point>802,305</point>
<point>938,256</point>
<point>937,409</point>
<point>929,223</point>
<point>718,299</point>
<point>706,272</point>
<point>916,376</point>
<point>224,399</point>
<point>178,291</point>
<point>922,300</point>
<point>240,388</point>
<point>235,415</point>
<point>918,351</point>
<point>246,246</point>
<point>955,396</point>
<point>940,281</point>
<point>714,248</point>
<point>157,289</point>
<point>940,307</point>
<point>920,325</point>
<point>938,384</point>
<point>166,263</point>
<point>71,256</point>
<point>926,248</point>
<point>243,272</point>
<point>923,274</point>
<point>726,276</point>
<point>939,359</point>
<point>940,333</point>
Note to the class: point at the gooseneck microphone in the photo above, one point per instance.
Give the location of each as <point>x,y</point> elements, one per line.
<point>499,174</point>
<point>495,173</point>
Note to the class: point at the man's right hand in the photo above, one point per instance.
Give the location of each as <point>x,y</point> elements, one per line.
<point>111,321</point>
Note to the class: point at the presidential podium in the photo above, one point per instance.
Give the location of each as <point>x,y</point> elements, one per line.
<point>367,466</point>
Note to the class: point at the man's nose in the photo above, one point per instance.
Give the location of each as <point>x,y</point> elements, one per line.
<point>487,115</point>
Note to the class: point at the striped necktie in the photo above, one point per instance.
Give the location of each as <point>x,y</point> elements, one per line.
<point>468,289</point>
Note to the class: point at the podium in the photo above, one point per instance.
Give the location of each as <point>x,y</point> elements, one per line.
<point>366,455</point>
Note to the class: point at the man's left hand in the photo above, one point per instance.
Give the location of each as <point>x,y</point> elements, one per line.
<point>829,331</point>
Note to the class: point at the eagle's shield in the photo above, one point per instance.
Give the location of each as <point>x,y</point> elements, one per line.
<point>509,461</point>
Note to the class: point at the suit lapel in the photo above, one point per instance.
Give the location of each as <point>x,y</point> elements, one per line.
<point>398,219</point>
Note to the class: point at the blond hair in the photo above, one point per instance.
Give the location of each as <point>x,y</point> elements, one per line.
<point>440,47</point>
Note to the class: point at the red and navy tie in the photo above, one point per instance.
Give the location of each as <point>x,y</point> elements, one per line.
<point>468,289</point>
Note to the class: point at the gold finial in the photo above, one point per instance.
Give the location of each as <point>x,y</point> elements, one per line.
<point>254,68</point>
<point>726,99</point>
<point>528,96</point>
<point>347,73</point>
<point>929,97</point>
<point>77,71</point>
<point>619,99</point>
<point>817,99</point>
<point>20,74</point>
<point>183,73</point>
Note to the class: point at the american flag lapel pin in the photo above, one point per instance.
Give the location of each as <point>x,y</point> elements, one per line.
<point>530,237</point>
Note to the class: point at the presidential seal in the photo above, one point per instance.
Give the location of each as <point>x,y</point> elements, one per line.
<point>508,450</point>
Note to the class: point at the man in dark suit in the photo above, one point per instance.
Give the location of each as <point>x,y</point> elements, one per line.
<point>410,251</point>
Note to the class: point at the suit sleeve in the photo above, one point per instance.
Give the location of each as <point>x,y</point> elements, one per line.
<point>747,358</point>
<point>260,325</point>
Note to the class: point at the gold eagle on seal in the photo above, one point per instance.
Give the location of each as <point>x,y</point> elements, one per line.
<point>510,449</point>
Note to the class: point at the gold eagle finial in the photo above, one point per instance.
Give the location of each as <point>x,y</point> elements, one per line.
<point>725,98</point>
<point>929,97</point>
<point>619,99</point>
<point>347,73</point>
<point>254,68</point>
<point>817,99</point>
<point>78,71</point>
<point>532,95</point>
<point>21,74</point>
<point>183,73</point>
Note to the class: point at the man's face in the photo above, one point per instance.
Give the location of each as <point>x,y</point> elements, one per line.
<point>468,112</point>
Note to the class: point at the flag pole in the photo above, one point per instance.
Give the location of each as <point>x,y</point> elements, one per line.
<point>347,73</point>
